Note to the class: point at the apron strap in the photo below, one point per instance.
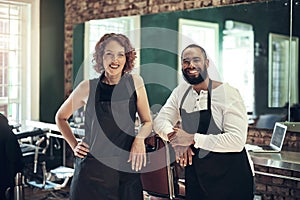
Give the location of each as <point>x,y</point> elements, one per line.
<point>183,98</point>
<point>208,97</point>
<point>125,77</point>
<point>209,94</point>
<point>129,88</point>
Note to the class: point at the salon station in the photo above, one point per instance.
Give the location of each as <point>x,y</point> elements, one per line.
<point>46,50</point>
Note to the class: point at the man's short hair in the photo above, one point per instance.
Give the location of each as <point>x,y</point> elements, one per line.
<point>194,46</point>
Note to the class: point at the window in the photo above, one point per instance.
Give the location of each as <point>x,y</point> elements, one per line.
<point>283,76</point>
<point>238,59</point>
<point>16,62</point>
<point>237,54</point>
<point>94,29</point>
<point>206,35</point>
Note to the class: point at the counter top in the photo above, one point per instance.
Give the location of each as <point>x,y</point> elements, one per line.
<point>289,160</point>
<point>284,160</point>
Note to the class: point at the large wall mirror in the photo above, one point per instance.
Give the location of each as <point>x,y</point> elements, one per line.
<point>236,38</point>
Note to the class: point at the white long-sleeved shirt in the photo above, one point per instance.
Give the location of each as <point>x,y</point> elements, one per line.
<point>228,112</point>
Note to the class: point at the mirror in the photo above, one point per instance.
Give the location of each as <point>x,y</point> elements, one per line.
<point>159,47</point>
<point>283,70</point>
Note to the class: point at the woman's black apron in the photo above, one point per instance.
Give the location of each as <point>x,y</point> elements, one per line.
<point>105,173</point>
<point>213,175</point>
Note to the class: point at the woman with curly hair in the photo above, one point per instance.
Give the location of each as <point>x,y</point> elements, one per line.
<point>112,153</point>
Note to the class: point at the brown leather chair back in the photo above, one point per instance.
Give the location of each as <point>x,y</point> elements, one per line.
<point>158,182</point>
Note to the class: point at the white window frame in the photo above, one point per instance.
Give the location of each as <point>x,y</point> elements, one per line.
<point>30,79</point>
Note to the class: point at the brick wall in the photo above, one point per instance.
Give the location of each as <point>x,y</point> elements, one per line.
<point>79,11</point>
<point>276,188</point>
<point>263,136</point>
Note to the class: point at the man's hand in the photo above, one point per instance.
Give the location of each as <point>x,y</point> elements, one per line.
<point>180,138</point>
<point>184,155</point>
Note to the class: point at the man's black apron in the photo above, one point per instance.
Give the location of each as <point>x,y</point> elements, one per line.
<point>105,173</point>
<point>213,175</point>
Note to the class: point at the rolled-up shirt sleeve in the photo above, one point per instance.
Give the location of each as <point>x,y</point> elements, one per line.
<point>231,117</point>
<point>228,112</point>
<point>167,117</point>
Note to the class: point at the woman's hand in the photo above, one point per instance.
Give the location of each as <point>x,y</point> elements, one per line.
<point>81,149</point>
<point>137,155</point>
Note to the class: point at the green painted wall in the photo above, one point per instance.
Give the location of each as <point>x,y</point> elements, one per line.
<point>51,58</point>
<point>78,53</point>
<point>265,18</point>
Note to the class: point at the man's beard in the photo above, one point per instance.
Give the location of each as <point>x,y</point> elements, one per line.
<point>195,80</point>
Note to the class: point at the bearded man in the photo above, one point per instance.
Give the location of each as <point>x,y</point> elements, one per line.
<point>212,134</point>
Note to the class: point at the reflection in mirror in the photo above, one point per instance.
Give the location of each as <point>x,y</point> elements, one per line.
<point>246,26</point>
<point>294,111</point>
<point>238,43</point>
<point>282,73</point>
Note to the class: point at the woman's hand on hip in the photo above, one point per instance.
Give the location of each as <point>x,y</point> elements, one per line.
<point>81,149</point>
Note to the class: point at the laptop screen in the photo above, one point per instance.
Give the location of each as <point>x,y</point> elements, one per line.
<point>278,136</point>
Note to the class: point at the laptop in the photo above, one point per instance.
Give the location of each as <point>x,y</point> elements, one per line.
<point>276,142</point>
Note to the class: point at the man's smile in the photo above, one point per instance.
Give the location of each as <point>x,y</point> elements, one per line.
<point>192,72</point>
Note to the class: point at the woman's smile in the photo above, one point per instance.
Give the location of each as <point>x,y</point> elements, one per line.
<point>114,66</point>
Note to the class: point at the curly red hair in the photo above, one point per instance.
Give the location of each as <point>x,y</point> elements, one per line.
<point>123,41</point>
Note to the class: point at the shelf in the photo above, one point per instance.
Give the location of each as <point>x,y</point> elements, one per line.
<point>292,126</point>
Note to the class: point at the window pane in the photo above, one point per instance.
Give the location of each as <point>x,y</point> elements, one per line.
<point>15,27</point>
<point>14,60</point>
<point>14,42</point>
<point>4,10</point>
<point>12,57</point>
<point>13,110</point>
<point>4,26</point>
<point>14,11</point>
<point>3,82</point>
<point>238,45</point>
<point>3,109</point>
<point>3,90</point>
<point>13,91</point>
<point>3,58</point>
<point>14,76</point>
<point>4,42</point>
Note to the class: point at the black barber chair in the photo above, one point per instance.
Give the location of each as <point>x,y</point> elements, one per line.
<point>34,145</point>
<point>10,159</point>
<point>35,158</point>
